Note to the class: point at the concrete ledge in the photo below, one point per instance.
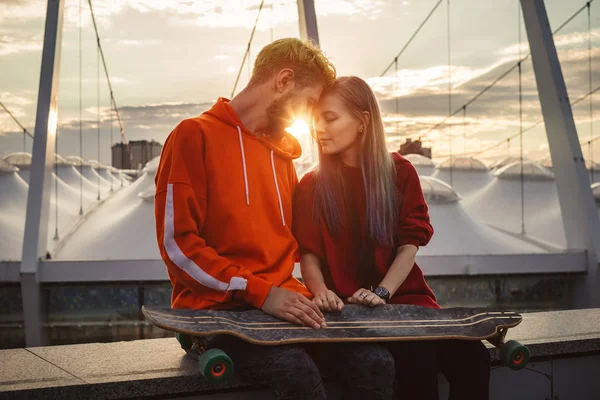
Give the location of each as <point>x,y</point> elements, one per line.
<point>158,367</point>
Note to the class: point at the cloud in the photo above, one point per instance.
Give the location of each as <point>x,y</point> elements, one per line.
<point>560,41</point>
<point>239,13</point>
<point>210,13</point>
<point>139,43</point>
<point>422,98</point>
<point>19,10</point>
<point>433,79</point>
<point>114,80</point>
<point>18,106</point>
<point>17,42</point>
<point>11,99</point>
<point>143,122</point>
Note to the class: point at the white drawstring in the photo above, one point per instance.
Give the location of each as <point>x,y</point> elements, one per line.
<point>246,176</point>
<point>244,165</point>
<point>277,188</point>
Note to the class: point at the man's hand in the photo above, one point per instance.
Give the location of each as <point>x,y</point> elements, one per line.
<point>327,300</point>
<point>293,307</point>
<point>366,297</point>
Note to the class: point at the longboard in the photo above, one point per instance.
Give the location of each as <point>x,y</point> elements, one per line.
<point>355,323</point>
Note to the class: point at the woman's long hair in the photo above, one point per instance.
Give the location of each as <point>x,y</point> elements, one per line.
<point>376,165</point>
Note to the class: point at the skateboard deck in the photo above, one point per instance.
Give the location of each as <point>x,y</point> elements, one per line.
<point>355,323</point>
<point>388,322</point>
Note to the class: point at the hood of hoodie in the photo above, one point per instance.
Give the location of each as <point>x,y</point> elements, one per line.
<point>286,145</point>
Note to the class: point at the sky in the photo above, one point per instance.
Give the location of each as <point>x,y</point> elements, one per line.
<point>171,60</point>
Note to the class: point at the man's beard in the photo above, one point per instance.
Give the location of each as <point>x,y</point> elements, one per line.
<point>278,115</point>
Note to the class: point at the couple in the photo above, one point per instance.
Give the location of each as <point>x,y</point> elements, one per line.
<point>231,219</point>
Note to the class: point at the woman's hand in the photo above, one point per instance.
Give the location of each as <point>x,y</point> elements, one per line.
<point>366,298</point>
<point>327,300</point>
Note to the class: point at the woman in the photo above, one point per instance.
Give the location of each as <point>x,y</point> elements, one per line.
<point>359,219</point>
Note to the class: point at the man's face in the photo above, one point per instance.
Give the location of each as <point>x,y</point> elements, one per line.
<point>292,105</point>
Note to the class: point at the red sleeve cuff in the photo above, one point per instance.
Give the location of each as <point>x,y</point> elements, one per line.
<point>257,290</point>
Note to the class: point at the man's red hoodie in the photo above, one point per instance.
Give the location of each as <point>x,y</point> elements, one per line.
<point>223,212</point>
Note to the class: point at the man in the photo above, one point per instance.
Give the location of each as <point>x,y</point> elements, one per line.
<point>223,209</point>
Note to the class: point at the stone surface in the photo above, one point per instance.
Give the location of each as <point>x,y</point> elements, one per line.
<point>557,333</point>
<point>158,367</point>
<point>21,369</point>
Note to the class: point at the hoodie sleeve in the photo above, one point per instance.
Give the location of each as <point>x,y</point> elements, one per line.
<point>414,225</point>
<point>180,211</point>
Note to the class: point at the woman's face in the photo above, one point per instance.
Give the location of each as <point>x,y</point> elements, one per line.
<point>336,127</point>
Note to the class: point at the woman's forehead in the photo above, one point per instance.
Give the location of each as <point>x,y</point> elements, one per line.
<point>330,101</point>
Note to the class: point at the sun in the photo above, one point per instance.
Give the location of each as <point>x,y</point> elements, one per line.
<point>299,129</point>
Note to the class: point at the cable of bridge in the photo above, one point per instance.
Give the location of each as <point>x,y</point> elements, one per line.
<point>416,32</point>
<point>110,88</point>
<point>25,131</point>
<point>534,125</point>
<point>56,237</point>
<point>503,75</point>
<point>246,54</point>
<point>98,117</point>
<point>591,107</point>
<point>80,115</point>
<point>522,177</point>
<point>449,88</point>
<point>588,95</point>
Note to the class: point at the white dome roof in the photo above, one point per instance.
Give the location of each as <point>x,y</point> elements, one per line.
<point>148,194</point>
<point>419,160</point>
<point>76,160</point>
<point>152,165</point>
<point>121,228</point>
<point>59,160</point>
<point>98,165</point>
<point>531,171</point>
<point>463,164</point>
<point>23,159</point>
<point>19,159</point>
<point>508,160</point>
<point>437,191</point>
<point>5,166</point>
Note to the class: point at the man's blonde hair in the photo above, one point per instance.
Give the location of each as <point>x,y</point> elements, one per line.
<point>303,57</point>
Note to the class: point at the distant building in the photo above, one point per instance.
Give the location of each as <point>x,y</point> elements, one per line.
<point>142,151</point>
<point>416,147</point>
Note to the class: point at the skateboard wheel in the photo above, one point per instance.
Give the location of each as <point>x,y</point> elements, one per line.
<point>215,365</point>
<point>514,354</point>
<point>184,340</point>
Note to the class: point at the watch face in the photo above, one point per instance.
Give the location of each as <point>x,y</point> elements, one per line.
<point>382,292</point>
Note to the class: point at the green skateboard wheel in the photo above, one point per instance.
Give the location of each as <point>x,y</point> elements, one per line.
<point>514,354</point>
<point>215,365</point>
<point>184,340</point>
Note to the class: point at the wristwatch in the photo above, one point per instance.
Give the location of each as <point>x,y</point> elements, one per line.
<point>381,292</point>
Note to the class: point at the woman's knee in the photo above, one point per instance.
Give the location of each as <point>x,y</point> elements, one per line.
<point>366,370</point>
